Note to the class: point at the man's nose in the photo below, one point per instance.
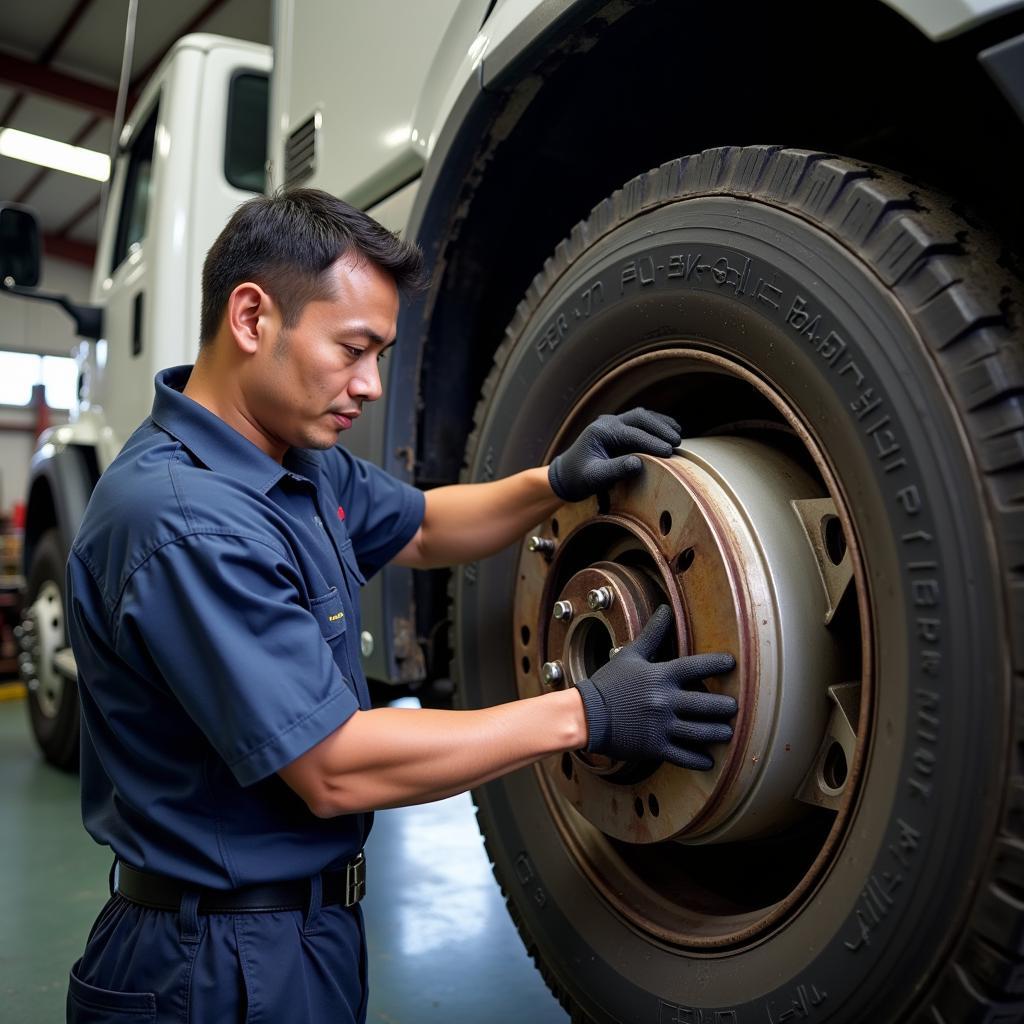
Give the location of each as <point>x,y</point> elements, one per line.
<point>366,384</point>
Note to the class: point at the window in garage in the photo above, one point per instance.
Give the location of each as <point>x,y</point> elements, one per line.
<point>21,371</point>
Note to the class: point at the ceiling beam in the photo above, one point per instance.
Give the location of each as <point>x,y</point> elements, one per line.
<point>68,249</point>
<point>63,32</point>
<point>77,217</point>
<point>48,54</point>
<point>24,74</point>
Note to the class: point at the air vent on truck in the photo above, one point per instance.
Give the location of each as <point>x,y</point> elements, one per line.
<point>300,151</point>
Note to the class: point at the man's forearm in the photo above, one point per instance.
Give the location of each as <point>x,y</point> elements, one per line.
<point>465,522</point>
<point>390,757</point>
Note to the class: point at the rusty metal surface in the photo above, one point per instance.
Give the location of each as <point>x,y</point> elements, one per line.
<point>706,558</point>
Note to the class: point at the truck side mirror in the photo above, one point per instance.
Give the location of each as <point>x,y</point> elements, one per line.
<point>20,257</point>
<point>20,250</point>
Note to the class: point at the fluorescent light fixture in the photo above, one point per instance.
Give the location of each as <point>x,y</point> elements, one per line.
<point>34,149</point>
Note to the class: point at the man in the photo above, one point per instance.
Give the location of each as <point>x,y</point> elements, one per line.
<point>229,754</point>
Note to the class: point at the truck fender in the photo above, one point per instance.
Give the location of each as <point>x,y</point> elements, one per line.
<point>61,479</point>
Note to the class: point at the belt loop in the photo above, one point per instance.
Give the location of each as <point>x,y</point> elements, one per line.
<point>316,898</point>
<point>188,916</point>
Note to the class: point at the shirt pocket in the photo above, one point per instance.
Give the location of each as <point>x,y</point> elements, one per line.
<point>351,563</point>
<point>330,614</point>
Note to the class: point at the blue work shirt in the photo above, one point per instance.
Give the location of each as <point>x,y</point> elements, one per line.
<point>213,611</point>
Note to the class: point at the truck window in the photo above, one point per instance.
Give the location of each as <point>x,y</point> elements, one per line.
<point>138,186</point>
<point>245,149</point>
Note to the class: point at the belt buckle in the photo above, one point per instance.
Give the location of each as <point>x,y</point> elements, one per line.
<point>355,880</point>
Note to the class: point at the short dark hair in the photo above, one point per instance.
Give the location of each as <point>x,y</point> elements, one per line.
<point>285,243</point>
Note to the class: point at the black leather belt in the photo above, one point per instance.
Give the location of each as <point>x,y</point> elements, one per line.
<point>160,892</point>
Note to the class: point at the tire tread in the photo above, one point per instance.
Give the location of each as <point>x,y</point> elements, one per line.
<point>964,296</point>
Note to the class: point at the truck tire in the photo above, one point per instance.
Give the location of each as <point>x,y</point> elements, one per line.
<point>52,699</point>
<point>846,345</point>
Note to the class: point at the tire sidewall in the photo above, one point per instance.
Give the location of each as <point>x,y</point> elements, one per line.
<point>935,765</point>
<point>56,735</point>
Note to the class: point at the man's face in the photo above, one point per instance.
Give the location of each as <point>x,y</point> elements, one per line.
<point>310,381</point>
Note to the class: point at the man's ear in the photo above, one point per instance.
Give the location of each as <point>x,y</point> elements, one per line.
<point>250,314</point>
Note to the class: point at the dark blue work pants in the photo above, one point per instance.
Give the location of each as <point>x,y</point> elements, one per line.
<point>144,966</point>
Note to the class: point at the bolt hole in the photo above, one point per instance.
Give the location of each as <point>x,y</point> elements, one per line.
<point>652,805</point>
<point>684,561</point>
<point>638,806</point>
<point>526,664</point>
<point>665,523</point>
<point>835,542</point>
<point>567,766</point>
<point>834,770</point>
<point>554,527</point>
<point>55,623</point>
<point>525,634</point>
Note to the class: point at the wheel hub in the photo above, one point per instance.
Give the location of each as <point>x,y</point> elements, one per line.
<point>40,636</point>
<point>730,534</point>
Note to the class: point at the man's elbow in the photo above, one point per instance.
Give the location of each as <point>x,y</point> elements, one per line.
<point>326,793</point>
<point>331,798</point>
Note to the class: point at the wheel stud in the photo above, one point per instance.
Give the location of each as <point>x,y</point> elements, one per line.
<point>542,545</point>
<point>552,672</point>
<point>562,611</point>
<point>614,651</point>
<point>600,598</point>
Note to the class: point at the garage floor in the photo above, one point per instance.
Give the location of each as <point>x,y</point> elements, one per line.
<point>441,945</point>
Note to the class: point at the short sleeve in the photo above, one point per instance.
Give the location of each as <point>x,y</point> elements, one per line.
<point>224,622</point>
<point>382,513</point>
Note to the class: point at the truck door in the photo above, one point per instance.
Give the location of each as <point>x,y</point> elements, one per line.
<point>127,286</point>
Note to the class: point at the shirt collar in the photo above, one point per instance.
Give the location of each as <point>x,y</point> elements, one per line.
<point>216,444</point>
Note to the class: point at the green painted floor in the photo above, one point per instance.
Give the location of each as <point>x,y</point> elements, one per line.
<point>442,948</point>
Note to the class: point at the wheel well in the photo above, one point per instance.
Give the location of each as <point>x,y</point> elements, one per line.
<point>40,516</point>
<point>630,90</point>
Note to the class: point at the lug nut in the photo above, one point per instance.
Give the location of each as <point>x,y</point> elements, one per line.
<point>28,626</point>
<point>552,672</point>
<point>600,598</point>
<point>614,651</point>
<point>542,545</point>
<point>33,684</point>
<point>562,610</point>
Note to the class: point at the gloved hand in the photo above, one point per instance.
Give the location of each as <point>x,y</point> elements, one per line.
<point>637,710</point>
<point>603,453</point>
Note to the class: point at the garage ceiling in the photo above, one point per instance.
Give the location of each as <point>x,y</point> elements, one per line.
<point>60,61</point>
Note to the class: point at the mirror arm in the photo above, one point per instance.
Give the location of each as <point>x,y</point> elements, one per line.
<point>88,319</point>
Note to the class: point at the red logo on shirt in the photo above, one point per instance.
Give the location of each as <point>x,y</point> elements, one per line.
<point>341,513</point>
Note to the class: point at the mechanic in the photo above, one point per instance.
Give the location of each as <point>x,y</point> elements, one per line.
<point>230,757</point>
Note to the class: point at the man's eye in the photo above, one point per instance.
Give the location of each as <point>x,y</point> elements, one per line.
<point>355,353</point>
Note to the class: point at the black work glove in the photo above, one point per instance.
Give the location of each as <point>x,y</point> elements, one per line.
<point>603,453</point>
<point>637,710</point>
